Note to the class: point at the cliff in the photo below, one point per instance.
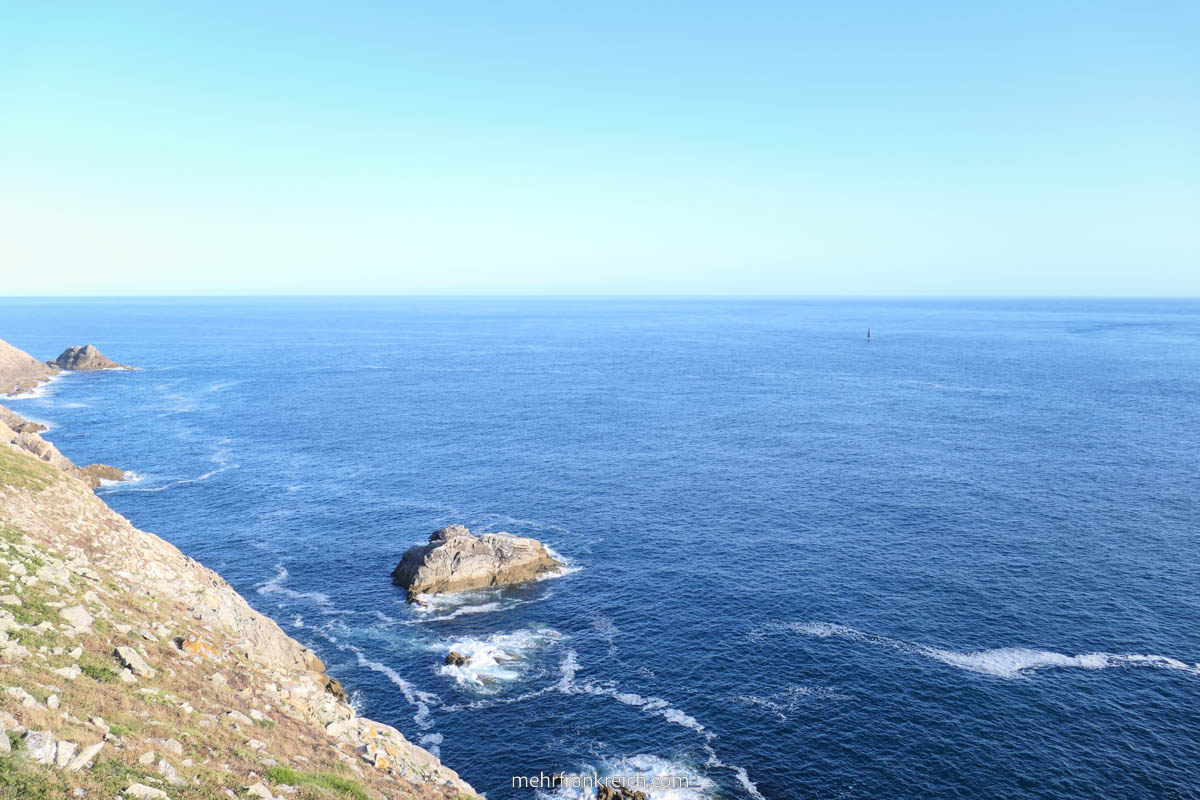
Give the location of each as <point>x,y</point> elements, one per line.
<point>20,371</point>
<point>129,670</point>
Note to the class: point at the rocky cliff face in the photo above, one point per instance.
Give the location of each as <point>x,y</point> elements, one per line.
<point>128,669</point>
<point>20,371</point>
<point>455,561</point>
<point>86,357</point>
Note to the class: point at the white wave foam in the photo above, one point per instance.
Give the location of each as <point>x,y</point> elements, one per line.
<point>216,387</point>
<point>569,567</point>
<point>42,391</point>
<point>659,778</point>
<point>421,700</point>
<point>497,659</point>
<point>783,704</point>
<point>219,458</point>
<point>432,742</point>
<point>739,772</point>
<point>1000,662</point>
<point>275,586</point>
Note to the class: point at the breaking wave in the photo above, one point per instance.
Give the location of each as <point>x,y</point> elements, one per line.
<point>1000,662</point>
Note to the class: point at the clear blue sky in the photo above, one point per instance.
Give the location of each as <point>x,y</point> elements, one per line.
<point>1017,148</point>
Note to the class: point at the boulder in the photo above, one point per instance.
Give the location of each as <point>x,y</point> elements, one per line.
<point>86,357</point>
<point>40,746</point>
<point>334,687</point>
<point>454,561</point>
<point>143,792</point>
<point>77,616</point>
<point>133,661</point>
<point>456,659</point>
<point>85,755</point>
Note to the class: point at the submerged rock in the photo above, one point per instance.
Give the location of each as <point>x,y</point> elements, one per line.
<point>456,561</point>
<point>86,358</point>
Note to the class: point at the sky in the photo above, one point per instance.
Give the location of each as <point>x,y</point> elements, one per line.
<point>653,147</point>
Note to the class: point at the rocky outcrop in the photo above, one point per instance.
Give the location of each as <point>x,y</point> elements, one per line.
<point>86,357</point>
<point>22,433</point>
<point>456,659</point>
<point>454,561</point>
<point>95,474</point>
<point>111,639</point>
<point>20,372</point>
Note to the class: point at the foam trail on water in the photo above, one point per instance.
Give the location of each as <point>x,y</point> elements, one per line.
<point>1000,662</point>
<point>275,586</point>
<point>219,458</point>
<point>420,699</point>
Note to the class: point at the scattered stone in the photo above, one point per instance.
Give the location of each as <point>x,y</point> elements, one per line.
<point>77,616</point>
<point>335,688</point>
<point>10,600</point>
<point>173,746</point>
<point>39,745</point>
<point>144,792</point>
<point>5,745</point>
<point>238,718</point>
<point>70,673</point>
<point>84,756</point>
<point>53,574</point>
<point>134,662</point>
<point>52,701</point>
<point>63,753</point>
<point>259,790</point>
<point>194,645</point>
<point>147,758</point>
<point>22,696</point>
<point>168,773</point>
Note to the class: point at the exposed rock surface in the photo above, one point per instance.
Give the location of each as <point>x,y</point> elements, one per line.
<point>86,357</point>
<point>456,561</point>
<point>455,659</point>
<point>19,371</point>
<point>93,474</point>
<point>118,640</point>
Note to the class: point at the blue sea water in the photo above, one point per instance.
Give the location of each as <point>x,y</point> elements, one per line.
<point>959,561</point>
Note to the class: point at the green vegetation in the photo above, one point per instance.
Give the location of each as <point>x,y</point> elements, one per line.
<point>323,780</point>
<point>33,611</point>
<point>98,670</point>
<point>24,471</point>
<point>20,779</point>
<point>114,774</point>
<point>11,535</point>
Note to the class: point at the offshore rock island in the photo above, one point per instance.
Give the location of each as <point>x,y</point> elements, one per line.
<point>128,669</point>
<point>454,560</point>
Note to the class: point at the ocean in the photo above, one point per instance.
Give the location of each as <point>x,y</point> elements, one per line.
<point>957,561</point>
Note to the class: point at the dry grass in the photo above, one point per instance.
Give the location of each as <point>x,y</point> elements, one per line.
<point>180,702</point>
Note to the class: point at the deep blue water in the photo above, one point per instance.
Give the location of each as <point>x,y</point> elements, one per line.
<point>959,561</point>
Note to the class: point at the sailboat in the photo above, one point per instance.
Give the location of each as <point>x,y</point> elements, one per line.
<point>868,334</point>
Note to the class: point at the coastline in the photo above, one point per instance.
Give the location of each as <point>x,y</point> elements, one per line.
<point>208,630</point>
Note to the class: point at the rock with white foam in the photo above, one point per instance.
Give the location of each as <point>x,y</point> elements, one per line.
<point>454,560</point>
